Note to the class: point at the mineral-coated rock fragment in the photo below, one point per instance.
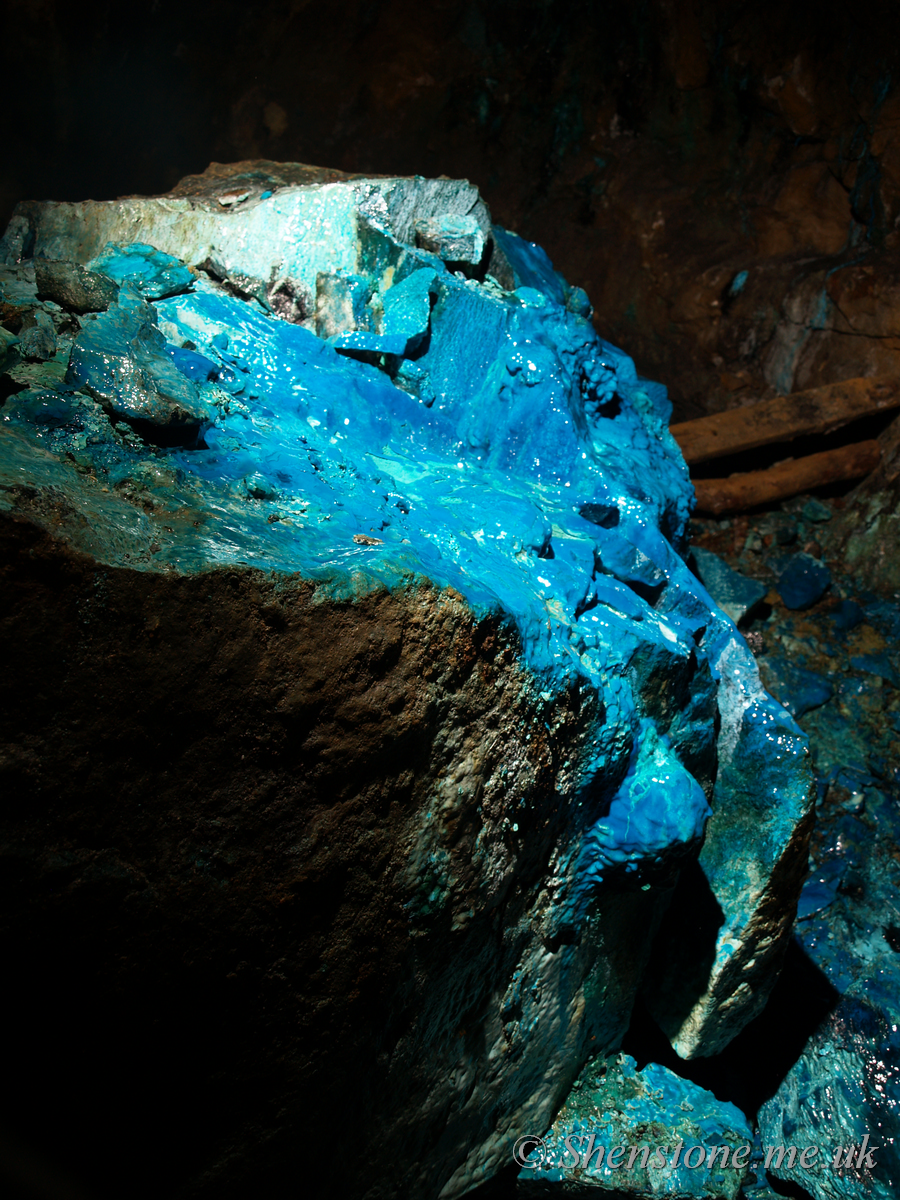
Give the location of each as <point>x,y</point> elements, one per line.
<point>843,1099</point>
<point>453,239</point>
<point>704,989</point>
<point>435,479</point>
<point>847,616</point>
<point>641,1133</point>
<point>74,287</point>
<point>846,1082</point>
<point>37,337</point>
<point>803,581</point>
<point>734,593</point>
<point>120,359</point>
<point>149,272</point>
<point>405,315</point>
<point>657,816</point>
<point>799,690</point>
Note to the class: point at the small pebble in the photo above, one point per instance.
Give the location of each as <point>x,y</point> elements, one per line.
<point>803,582</point>
<point>227,199</point>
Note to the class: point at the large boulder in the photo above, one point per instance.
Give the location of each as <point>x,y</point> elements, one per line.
<point>383,712</point>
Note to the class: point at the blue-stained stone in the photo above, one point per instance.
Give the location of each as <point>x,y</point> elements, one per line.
<point>814,510</point>
<point>877,664</point>
<point>120,358</point>
<point>821,887</point>
<point>799,690</point>
<point>843,1093</point>
<point>406,314</point>
<point>531,266</point>
<point>659,1118</point>
<point>656,817</point>
<point>846,1082</point>
<point>804,581</point>
<point>884,615</point>
<point>149,271</point>
<point>734,593</point>
<point>195,366</point>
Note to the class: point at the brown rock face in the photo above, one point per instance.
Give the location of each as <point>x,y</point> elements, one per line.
<point>268,866</point>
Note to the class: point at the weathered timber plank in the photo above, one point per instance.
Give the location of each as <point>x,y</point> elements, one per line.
<point>753,488</point>
<point>817,410</point>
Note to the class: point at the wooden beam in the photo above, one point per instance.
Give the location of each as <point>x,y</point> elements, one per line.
<point>818,410</point>
<point>740,492</point>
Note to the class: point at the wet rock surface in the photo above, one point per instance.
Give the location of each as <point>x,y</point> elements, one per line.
<point>835,666</point>
<point>119,359</point>
<point>462,464</point>
<point>842,1096</point>
<point>74,287</point>
<point>640,1133</point>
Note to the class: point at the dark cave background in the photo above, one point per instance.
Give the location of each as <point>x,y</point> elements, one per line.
<point>655,149</point>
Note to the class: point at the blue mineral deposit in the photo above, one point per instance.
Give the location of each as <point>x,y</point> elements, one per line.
<point>821,888</point>
<point>804,581</point>
<point>325,393</point>
<point>877,664</point>
<point>644,1133</point>
<point>846,1083</point>
<point>658,814</point>
<point>196,366</point>
<point>799,690</point>
<point>884,615</point>
<point>149,271</point>
<point>842,1097</point>
<point>734,593</point>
